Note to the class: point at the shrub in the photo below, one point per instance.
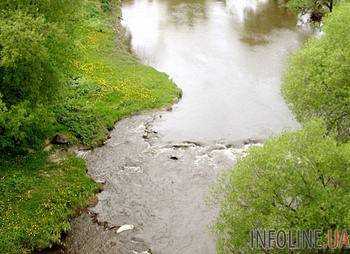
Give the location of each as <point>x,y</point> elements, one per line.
<point>23,128</point>
<point>37,47</point>
<point>35,58</point>
<point>106,5</point>
<point>313,6</point>
<point>299,180</point>
<point>58,11</point>
<point>317,82</point>
<point>37,50</point>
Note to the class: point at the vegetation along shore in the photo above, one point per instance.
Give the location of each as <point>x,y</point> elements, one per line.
<point>299,180</point>
<point>67,75</point>
<point>65,81</point>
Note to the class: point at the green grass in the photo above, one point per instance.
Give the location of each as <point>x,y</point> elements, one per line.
<point>112,83</point>
<point>38,196</point>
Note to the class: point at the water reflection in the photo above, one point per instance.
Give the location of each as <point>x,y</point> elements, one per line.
<point>240,8</point>
<point>266,17</point>
<point>180,13</point>
<point>226,56</point>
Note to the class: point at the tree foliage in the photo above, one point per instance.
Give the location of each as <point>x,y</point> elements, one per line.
<point>30,68</point>
<point>317,82</point>
<point>312,6</point>
<point>300,180</point>
<point>56,11</point>
<point>37,51</point>
<point>23,128</point>
<point>36,48</point>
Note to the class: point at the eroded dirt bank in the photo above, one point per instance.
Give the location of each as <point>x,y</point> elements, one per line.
<point>157,187</point>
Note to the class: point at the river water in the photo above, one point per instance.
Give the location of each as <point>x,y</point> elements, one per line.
<point>157,167</point>
<point>227,57</point>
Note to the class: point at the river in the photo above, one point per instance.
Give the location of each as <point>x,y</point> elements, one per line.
<point>157,167</point>
<point>227,57</point>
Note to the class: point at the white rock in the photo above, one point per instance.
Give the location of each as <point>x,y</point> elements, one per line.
<point>125,228</point>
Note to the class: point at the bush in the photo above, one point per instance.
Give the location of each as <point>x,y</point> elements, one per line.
<point>57,11</point>
<point>300,180</point>
<point>35,58</point>
<point>106,5</point>
<point>312,6</point>
<point>23,128</point>
<point>317,82</point>
<point>37,50</point>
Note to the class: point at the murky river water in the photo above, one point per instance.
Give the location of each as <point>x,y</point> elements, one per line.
<point>228,59</point>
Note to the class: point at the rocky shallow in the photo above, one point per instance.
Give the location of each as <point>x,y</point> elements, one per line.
<point>155,192</point>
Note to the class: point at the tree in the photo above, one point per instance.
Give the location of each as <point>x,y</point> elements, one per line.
<point>37,51</point>
<point>317,81</point>
<point>311,5</point>
<point>316,8</point>
<point>298,181</point>
<point>36,48</point>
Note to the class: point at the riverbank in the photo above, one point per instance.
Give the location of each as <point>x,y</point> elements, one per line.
<point>41,191</point>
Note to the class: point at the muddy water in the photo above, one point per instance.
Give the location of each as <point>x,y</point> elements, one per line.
<point>158,188</point>
<point>157,167</point>
<point>227,57</point>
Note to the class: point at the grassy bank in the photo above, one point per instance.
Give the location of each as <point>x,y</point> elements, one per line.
<point>37,199</point>
<point>112,83</point>
<point>41,191</point>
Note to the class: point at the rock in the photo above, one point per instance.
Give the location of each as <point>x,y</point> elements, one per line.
<point>196,143</point>
<point>111,227</point>
<point>82,153</point>
<point>125,228</point>
<point>101,181</point>
<point>60,139</point>
<point>250,141</point>
<point>182,145</point>
<point>143,252</point>
<point>217,147</point>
